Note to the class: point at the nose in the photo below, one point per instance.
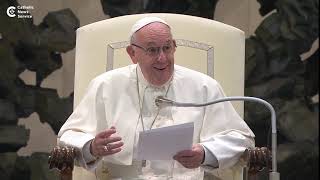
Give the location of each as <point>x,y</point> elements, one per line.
<point>162,56</point>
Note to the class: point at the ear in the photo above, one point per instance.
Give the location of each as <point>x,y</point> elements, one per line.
<point>132,54</point>
<point>174,44</point>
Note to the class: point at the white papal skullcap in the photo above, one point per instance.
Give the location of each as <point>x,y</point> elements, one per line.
<point>143,22</point>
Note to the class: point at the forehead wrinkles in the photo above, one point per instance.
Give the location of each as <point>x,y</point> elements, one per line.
<point>154,32</point>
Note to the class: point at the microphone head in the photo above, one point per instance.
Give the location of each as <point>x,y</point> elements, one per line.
<point>162,102</point>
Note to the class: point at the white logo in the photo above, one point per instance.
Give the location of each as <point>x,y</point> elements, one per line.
<point>11,11</point>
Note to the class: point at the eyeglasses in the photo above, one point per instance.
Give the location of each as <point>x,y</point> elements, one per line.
<point>155,51</point>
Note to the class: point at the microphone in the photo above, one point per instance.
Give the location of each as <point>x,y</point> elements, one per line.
<point>163,102</point>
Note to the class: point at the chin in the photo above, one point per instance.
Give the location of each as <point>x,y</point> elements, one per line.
<point>163,81</point>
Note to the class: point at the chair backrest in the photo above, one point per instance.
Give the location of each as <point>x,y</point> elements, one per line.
<point>204,45</point>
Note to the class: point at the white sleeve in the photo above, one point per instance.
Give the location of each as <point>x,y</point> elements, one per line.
<point>82,126</point>
<point>224,133</point>
<point>226,149</point>
<point>209,158</point>
<point>88,157</point>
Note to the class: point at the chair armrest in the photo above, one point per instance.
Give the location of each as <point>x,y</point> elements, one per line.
<point>257,159</point>
<point>62,158</point>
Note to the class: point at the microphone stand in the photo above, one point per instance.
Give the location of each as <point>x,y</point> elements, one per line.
<point>273,175</point>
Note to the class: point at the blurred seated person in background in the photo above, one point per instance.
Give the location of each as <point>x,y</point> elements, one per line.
<point>121,103</point>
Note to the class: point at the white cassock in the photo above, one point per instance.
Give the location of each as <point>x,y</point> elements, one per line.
<point>112,99</point>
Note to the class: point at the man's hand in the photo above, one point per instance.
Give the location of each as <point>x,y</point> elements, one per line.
<point>191,158</point>
<point>105,144</point>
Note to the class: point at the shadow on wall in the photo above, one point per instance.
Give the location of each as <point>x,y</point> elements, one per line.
<point>25,46</point>
<point>275,72</point>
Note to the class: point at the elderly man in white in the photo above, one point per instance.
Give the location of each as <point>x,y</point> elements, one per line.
<point>121,103</point>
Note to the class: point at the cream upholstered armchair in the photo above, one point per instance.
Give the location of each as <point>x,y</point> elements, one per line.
<point>204,45</point>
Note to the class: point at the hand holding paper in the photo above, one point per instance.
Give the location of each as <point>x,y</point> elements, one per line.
<point>191,158</point>
<point>164,143</point>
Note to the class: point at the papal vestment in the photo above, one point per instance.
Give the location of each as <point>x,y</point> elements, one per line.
<point>117,97</point>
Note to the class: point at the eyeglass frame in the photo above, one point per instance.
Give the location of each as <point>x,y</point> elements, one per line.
<point>147,50</point>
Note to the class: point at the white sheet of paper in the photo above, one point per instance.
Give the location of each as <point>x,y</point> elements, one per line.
<point>164,143</point>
